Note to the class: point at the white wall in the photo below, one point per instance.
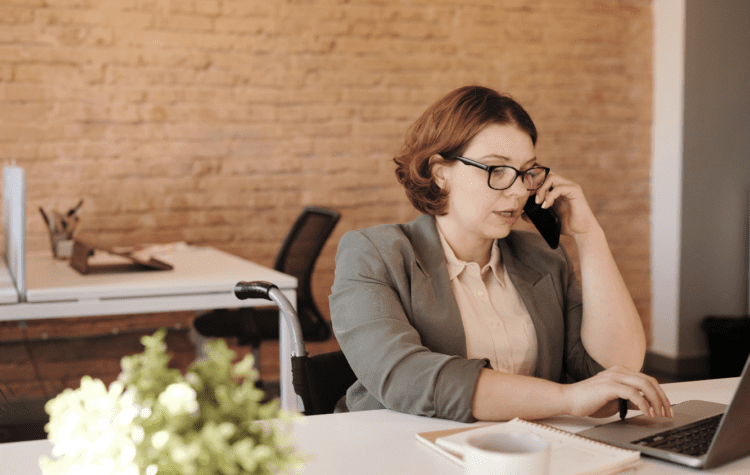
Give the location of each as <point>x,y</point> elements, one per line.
<point>700,169</point>
<point>666,174</point>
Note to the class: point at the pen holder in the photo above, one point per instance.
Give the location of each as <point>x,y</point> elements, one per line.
<point>62,245</point>
<point>61,228</point>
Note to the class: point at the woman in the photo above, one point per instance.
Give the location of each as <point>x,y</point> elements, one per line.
<point>454,315</point>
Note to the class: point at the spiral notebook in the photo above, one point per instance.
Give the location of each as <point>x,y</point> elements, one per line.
<point>571,454</point>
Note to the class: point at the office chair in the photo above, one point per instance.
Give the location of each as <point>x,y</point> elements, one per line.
<point>320,380</point>
<point>297,257</point>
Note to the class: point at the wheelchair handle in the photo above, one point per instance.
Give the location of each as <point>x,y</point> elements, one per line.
<point>253,290</point>
<point>268,291</point>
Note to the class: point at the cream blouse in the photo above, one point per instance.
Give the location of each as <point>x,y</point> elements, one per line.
<point>497,325</point>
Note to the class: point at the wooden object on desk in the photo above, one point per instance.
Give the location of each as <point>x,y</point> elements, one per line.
<point>82,251</point>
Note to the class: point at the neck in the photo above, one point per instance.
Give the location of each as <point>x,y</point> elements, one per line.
<point>467,246</point>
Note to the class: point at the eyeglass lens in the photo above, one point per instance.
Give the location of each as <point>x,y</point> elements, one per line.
<point>504,177</point>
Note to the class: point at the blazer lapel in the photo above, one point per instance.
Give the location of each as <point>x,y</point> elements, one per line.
<point>433,301</point>
<point>538,293</point>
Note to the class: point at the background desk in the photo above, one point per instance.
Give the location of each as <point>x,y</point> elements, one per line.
<point>202,279</point>
<point>383,442</point>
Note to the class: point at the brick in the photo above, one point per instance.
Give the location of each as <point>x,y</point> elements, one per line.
<point>241,8</point>
<point>79,4</point>
<point>6,72</point>
<point>15,14</point>
<point>17,33</point>
<point>246,26</point>
<point>69,16</point>
<point>190,23</point>
<point>16,112</point>
<point>181,7</point>
<point>25,3</point>
<point>47,73</point>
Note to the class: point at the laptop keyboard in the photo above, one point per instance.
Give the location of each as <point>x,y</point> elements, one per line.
<point>693,439</point>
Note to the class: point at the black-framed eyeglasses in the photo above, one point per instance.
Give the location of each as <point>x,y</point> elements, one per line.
<point>502,177</point>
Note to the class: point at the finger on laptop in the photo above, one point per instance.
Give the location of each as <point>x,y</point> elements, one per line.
<point>646,393</point>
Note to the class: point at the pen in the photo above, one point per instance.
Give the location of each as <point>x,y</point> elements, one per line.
<point>623,408</point>
<point>73,211</point>
<point>50,224</point>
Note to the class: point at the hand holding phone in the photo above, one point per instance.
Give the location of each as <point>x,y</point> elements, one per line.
<point>546,221</point>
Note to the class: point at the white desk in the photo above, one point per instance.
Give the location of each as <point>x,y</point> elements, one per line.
<point>203,278</point>
<point>383,442</point>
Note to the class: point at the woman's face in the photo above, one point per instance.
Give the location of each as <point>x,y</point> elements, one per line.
<point>474,209</point>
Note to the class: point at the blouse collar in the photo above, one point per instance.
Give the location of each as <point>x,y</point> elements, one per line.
<point>456,265</point>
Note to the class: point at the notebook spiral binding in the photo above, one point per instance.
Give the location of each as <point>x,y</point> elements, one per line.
<point>570,434</point>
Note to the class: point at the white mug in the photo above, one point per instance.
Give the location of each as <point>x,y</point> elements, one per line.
<point>507,453</point>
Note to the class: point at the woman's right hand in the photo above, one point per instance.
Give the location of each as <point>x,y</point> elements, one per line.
<point>597,396</point>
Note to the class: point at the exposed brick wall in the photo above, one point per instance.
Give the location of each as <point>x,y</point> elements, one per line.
<point>216,121</point>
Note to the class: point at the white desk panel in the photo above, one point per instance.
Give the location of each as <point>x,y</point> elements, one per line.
<point>8,293</point>
<point>14,224</point>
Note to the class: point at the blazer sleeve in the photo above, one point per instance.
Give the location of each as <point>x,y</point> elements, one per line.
<point>372,319</point>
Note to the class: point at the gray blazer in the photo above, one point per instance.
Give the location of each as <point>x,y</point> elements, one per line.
<point>398,323</point>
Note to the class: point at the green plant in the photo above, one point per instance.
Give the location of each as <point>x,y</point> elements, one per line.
<point>152,420</point>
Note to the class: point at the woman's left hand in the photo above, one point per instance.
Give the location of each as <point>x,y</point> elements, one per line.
<point>567,199</point>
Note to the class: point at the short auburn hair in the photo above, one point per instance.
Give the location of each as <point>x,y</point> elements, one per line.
<point>445,129</point>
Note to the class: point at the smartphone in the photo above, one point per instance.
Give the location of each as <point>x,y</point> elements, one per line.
<point>546,221</point>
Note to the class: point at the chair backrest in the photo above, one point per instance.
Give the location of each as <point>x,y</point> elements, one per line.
<point>303,243</point>
<point>297,257</point>
<point>321,380</point>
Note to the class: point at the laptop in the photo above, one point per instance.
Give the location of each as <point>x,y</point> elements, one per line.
<point>724,430</point>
